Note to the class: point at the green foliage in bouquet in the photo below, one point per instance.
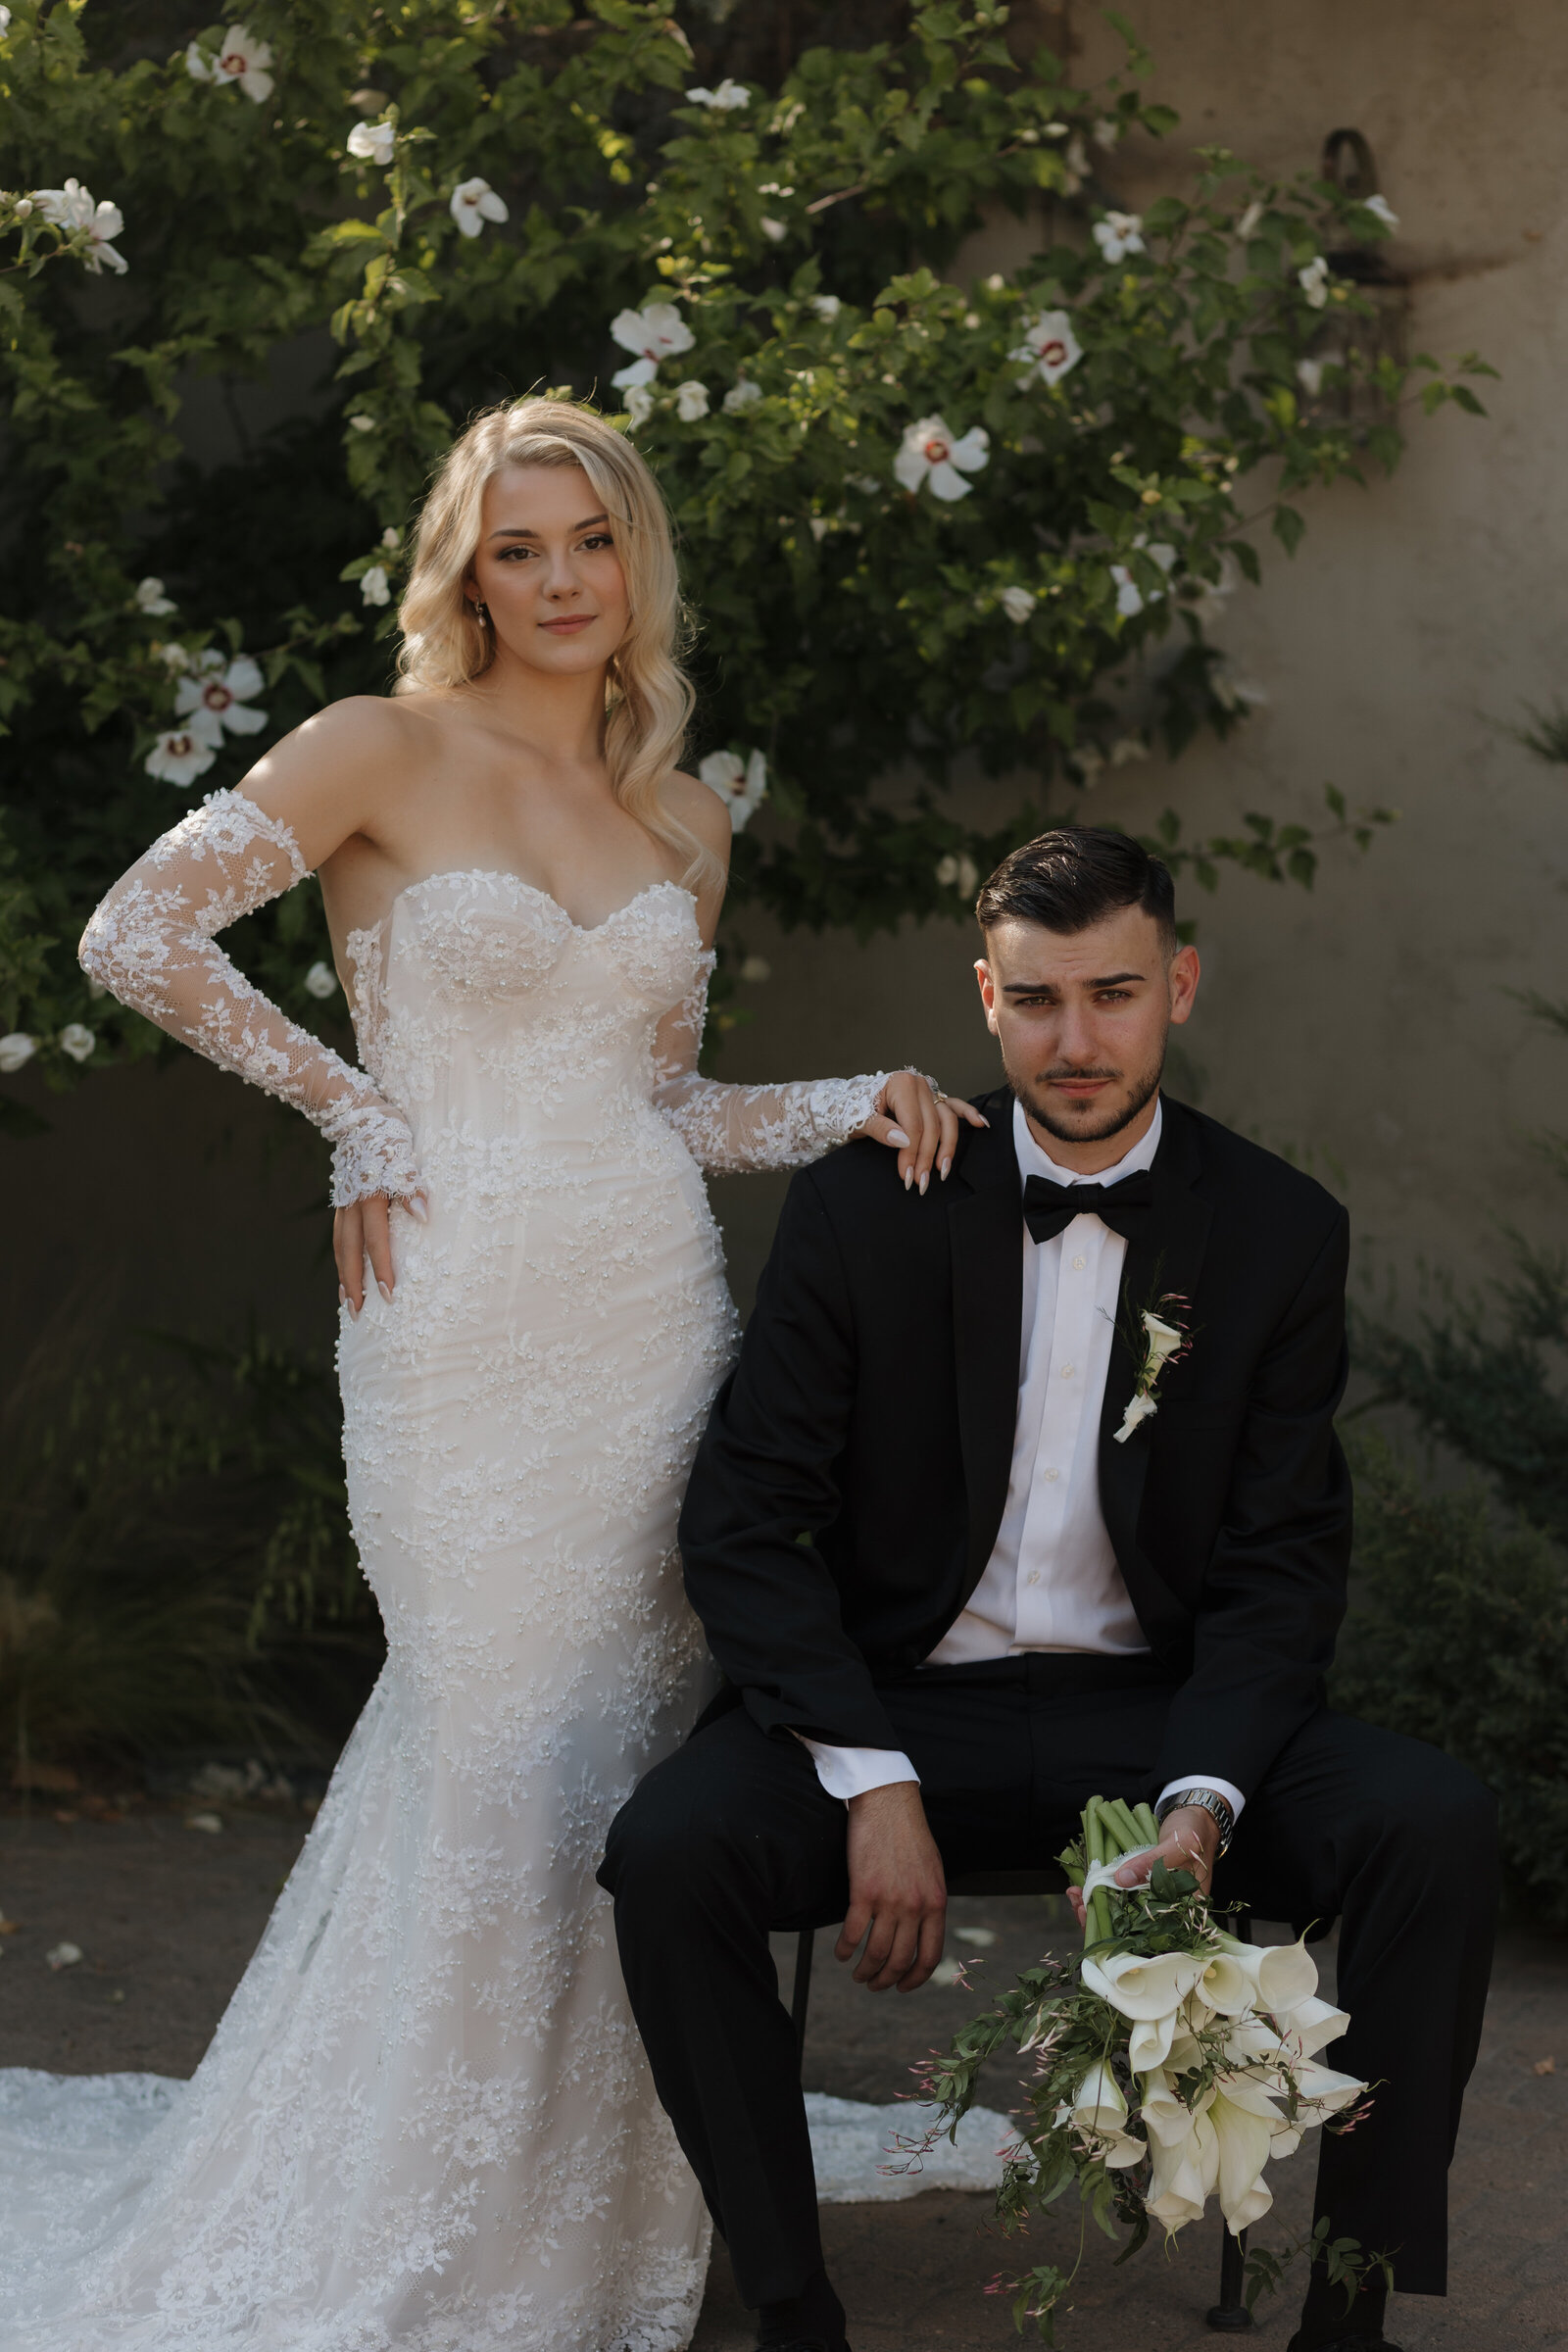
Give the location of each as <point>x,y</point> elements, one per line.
<point>1170,2062</point>
<point>175,1566</point>
<point>923,527</point>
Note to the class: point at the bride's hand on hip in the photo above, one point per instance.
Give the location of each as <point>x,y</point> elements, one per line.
<point>364,1230</point>
<point>920,1124</point>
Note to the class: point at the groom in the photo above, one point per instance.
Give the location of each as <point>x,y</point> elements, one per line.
<point>952,1601</point>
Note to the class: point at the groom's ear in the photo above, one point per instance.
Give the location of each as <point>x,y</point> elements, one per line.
<point>1185,972</point>
<point>988,992</point>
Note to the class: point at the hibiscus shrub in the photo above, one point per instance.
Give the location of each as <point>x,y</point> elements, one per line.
<point>925,530</point>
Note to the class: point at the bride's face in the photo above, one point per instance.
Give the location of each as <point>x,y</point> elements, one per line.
<point>547,569</point>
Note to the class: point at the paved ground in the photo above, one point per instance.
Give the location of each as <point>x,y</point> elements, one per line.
<point>165,1916</point>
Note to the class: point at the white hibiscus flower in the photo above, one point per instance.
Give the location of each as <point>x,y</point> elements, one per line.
<point>1050,345</point>
<point>474,202</point>
<point>150,597</point>
<point>78,1039</point>
<point>16,1049</point>
<point>321,980</point>
<point>774,230</point>
<point>655,333</point>
<point>1313,281</point>
<point>216,697</point>
<point>1119,234</point>
<point>691,401</point>
<point>72,207</point>
<point>179,756</point>
<point>931,451</point>
<point>240,58</point>
<point>741,784</point>
<point>959,871</point>
<point>826,305</point>
<point>724,100</point>
<point>1018,604</point>
<point>741,397</point>
<point>375,586</point>
<point>1384,210</point>
<point>639,404</point>
<point>372,143</point>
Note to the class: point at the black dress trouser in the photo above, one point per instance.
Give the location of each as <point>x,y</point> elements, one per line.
<point>732,1837</point>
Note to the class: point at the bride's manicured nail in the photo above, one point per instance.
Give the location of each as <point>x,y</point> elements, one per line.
<point>352,1311</point>
<point>342,1295</point>
<point>908,1177</point>
<point>924,1181</point>
<point>946,1165</point>
<point>896,1135</point>
<point>385,1289</point>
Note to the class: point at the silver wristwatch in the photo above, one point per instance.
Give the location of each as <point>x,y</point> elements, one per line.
<point>1207,1801</point>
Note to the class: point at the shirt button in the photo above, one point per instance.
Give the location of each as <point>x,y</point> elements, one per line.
<point>1078,1264</point>
<point>1051,1474</point>
<point>1034,1576</point>
<point>1066,1371</point>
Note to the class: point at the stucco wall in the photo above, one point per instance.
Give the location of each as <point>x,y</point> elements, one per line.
<point>1365,1026</point>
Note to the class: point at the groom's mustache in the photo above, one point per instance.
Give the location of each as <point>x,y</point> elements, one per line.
<point>1071,1070</point>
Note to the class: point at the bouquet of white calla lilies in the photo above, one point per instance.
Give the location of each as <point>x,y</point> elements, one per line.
<point>1171,2063</point>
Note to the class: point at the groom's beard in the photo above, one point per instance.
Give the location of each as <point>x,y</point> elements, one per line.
<point>1096,1121</point>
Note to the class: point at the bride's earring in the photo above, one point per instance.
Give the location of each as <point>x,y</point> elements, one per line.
<point>481,612</point>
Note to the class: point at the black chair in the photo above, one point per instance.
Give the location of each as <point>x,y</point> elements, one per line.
<point>1230,2314</point>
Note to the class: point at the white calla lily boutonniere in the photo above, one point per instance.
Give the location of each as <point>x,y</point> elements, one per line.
<point>1161,1337</point>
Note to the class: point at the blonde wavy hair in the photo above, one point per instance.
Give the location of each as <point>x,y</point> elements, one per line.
<point>648,702</point>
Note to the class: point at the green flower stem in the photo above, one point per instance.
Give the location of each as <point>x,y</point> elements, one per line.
<point>1129,1835</point>
<point>1144,1815</point>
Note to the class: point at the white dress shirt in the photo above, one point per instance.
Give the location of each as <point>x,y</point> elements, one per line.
<point>1051,1582</point>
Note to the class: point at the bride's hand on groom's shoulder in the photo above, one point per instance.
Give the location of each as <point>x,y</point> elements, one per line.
<point>897,1891</point>
<point>920,1124</point>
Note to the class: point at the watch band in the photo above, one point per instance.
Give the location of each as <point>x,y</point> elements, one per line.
<point>1207,1801</point>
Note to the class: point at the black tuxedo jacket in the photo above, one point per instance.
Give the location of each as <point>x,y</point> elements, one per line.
<point>849,1488</point>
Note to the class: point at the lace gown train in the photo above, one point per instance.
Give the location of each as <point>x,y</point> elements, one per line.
<point>425,2119</point>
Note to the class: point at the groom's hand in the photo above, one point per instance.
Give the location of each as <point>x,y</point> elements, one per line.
<point>1189,1840</point>
<point>896,1890</point>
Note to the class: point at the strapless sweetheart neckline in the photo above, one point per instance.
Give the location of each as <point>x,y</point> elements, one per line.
<point>532,890</point>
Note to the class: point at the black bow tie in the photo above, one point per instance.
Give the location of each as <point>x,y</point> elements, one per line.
<point>1049,1208</point>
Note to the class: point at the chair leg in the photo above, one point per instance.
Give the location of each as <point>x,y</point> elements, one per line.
<point>800,1998</point>
<point>1230,2314</point>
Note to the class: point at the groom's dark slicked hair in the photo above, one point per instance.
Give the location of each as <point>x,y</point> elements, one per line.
<point>1073,877</point>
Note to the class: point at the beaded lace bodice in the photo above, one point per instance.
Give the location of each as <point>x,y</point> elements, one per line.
<point>474,935</point>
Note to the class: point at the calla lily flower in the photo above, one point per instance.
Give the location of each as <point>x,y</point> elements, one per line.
<point>1141,1988</point>
<point>1311,2026</point>
<point>1244,2145</point>
<point>1099,2110</point>
<point>931,451</point>
<point>1284,1973</point>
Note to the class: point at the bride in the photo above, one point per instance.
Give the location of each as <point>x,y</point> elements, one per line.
<point>425,2119</point>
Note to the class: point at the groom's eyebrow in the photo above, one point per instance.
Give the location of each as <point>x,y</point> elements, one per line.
<point>1050,988</point>
<point>521,530</point>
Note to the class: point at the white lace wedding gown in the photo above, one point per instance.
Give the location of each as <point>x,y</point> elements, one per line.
<point>425,2119</point>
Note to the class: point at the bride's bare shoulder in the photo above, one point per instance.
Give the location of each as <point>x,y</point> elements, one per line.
<point>699,808</point>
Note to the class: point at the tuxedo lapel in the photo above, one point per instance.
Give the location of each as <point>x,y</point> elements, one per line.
<point>1167,1258</point>
<point>985,1227</point>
